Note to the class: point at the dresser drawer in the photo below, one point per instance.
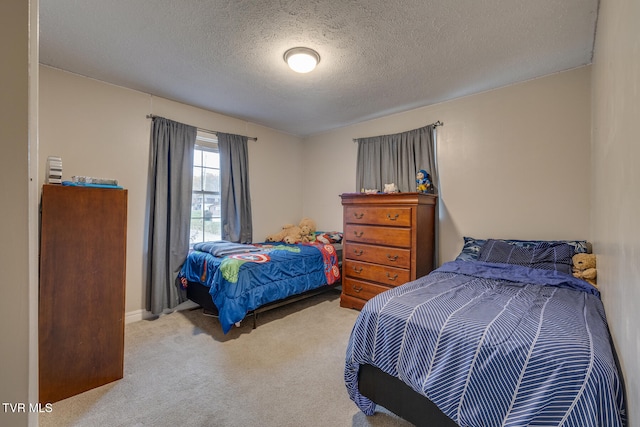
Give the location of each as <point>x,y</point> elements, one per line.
<point>364,290</point>
<point>388,236</point>
<point>389,276</point>
<point>395,257</point>
<point>379,215</point>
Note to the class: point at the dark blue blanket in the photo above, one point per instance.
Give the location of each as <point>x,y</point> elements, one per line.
<point>494,345</point>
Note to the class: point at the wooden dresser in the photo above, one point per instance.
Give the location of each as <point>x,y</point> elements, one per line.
<point>83,242</point>
<point>388,241</point>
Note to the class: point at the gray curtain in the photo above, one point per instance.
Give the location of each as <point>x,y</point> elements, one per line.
<point>396,159</point>
<point>235,216</point>
<point>170,186</point>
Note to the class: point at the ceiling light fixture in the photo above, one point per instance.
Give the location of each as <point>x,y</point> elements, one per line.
<point>301,59</point>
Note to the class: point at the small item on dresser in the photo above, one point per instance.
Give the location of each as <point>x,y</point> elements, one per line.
<point>369,191</point>
<point>584,267</point>
<point>93,180</point>
<point>83,184</point>
<point>390,188</point>
<point>423,182</point>
<point>87,181</point>
<point>54,170</point>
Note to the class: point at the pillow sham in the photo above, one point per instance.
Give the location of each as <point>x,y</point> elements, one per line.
<point>471,248</point>
<point>544,255</point>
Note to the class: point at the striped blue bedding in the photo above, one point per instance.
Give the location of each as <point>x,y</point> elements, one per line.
<point>494,345</point>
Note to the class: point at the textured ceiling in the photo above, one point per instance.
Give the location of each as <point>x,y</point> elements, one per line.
<point>377,56</point>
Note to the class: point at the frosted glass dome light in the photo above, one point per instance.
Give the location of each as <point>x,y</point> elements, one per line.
<point>301,59</point>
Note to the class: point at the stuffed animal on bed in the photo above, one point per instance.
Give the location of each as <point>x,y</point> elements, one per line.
<point>291,233</point>
<point>308,230</point>
<point>584,267</point>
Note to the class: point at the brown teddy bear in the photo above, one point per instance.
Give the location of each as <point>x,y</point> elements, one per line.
<point>584,267</point>
<point>290,233</point>
<point>308,230</point>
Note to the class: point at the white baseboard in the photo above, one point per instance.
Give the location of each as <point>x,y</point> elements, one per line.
<point>142,314</point>
<point>137,315</point>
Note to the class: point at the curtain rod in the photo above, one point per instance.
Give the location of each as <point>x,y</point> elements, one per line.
<point>252,138</point>
<point>434,124</point>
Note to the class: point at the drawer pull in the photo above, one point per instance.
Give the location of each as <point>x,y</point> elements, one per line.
<point>392,219</point>
<point>392,258</point>
<point>355,269</point>
<point>391,278</point>
<point>358,233</point>
<point>357,288</point>
<point>358,215</point>
<point>358,252</point>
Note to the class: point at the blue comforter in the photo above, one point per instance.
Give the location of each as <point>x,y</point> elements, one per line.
<point>494,345</point>
<point>239,283</point>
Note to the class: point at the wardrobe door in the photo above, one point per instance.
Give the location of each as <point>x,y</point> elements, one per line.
<point>82,289</point>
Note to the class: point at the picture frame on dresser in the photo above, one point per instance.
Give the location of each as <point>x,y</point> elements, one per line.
<point>388,240</point>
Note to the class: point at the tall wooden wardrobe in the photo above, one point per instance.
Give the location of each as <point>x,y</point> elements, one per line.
<point>82,289</point>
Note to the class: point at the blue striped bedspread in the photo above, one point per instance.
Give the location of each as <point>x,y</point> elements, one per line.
<point>494,345</point>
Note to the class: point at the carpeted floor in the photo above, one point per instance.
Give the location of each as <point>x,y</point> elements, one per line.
<point>181,370</point>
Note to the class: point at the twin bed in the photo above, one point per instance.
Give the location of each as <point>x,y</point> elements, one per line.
<point>230,280</point>
<point>502,336</point>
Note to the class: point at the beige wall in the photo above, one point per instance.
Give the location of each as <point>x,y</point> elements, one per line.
<point>18,129</point>
<point>616,182</point>
<point>101,130</point>
<point>513,162</point>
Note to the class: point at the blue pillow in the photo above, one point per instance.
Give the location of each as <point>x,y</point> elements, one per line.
<point>545,255</point>
<point>471,247</point>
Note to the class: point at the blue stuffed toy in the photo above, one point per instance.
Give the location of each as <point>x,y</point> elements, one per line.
<point>423,182</point>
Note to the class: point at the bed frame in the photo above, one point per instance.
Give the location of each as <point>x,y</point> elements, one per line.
<point>199,294</point>
<point>391,393</point>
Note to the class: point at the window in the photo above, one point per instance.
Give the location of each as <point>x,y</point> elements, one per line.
<point>205,200</point>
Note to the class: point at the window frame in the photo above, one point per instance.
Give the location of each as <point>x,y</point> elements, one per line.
<point>204,143</point>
